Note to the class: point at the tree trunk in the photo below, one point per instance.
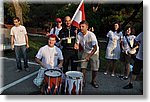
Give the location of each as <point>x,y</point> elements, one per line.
<point>18,10</point>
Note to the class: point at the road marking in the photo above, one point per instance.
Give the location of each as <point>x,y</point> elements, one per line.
<point>15,60</point>
<point>16,82</point>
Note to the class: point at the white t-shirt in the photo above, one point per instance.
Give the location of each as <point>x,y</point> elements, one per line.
<point>139,38</point>
<point>87,41</point>
<point>50,56</point>
<point>113,47</point>
<point>130,40</point>
<point>19,35</point>
<point>56,31</point>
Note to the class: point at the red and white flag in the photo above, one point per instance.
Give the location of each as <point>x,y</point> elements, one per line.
<point>79,15</point>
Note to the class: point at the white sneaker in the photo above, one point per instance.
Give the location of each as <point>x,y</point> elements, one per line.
<point>112,75</point>
<point>105,73</point>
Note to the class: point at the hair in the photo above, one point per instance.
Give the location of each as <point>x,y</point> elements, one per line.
<point>16,18</point>
<point>84,22</point>
<point>132,29</point>
<point>113,26</point>
<point>52,36</point>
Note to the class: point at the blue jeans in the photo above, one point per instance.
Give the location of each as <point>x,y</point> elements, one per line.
<point>19,51</point>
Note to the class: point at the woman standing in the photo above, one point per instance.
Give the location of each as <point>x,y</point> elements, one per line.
<point>113,48</point>
<point>127,45</point>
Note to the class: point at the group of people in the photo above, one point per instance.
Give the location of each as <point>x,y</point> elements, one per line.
<point>130,46</point>
<point>64,43</point>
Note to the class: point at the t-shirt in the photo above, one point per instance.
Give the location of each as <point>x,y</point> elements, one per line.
<point>50,56</point>
<point>56,31</point>
<point>139,38</point>
<point>130,40</point>
<point>19,35</point>
<point>87,41</point>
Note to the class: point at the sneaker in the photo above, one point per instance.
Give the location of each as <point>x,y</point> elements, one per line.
<point>18,70</point>
<point>27,69</point>
<point>112,75</point>
<point>129,86</point>
<point>125,78</point>
<point>105,73</point>
<point>94,84</point>
<point>120,76</point>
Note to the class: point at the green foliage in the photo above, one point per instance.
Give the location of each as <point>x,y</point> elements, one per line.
<point>9,11</point>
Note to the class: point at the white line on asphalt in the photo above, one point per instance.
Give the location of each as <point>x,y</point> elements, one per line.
<point>16,82</point>
<point>15,60</point>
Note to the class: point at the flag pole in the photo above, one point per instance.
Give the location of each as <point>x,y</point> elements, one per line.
<point>77,10</point>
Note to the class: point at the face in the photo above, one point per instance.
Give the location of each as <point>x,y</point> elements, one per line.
<point>16,22</point>
<point>59,24</point>
<point>51,42</point>
<point>128,31</point>
<point>68,21</point>
<point>83,28</point>
<point>116,27</point>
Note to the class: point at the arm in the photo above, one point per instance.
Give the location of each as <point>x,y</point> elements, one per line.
<point>27,43</point>
<point>39,62</point>
<point>12,42</point>
<point>60,64</point>
<point>92,52</point>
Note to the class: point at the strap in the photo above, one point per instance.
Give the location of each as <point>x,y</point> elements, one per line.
<point>128,42</point>
<point>54,30</point>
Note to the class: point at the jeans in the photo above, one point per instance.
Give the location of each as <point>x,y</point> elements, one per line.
<point>19,51</point>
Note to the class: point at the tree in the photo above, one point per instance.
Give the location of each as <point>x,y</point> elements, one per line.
<point>10,11</point>
<point>18,10</point>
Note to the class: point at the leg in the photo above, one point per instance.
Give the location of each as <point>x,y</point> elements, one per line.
<point>74,66</point>
<point>113,67</point>
<point>95,66</point>
<point>18,57</point>
<point>109,63</point>
<point>25,58</point>
<point>138,65</point>
<point>66,56</point>
<point>84,76</point>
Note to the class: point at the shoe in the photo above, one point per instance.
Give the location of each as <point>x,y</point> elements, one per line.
<point>94,84</point>
<point>112,75</point>
<point>27,69</point>
<point>120,76</point>
<point>18,70</point>
<point>105,73</point>
<point>125,78</point>
<point>129,86</point>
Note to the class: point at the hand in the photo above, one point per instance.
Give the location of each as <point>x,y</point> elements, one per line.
<point>87,58</point>
<point>76,46</point>
<point>12,47</point>
<point>27,46</point>
<point>60,66</point>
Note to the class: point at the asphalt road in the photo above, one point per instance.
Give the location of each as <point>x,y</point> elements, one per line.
<point>22,83</point>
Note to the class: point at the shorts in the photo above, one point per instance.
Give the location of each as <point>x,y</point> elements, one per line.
<point>94,61</point>
<point>138,65</point>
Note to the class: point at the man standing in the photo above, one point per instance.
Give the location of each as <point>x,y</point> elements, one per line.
<point>88,41</point>
<point>68,39</point>
<point>19,43</point>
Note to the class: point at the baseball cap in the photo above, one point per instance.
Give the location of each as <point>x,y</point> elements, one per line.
<point>58,20</point>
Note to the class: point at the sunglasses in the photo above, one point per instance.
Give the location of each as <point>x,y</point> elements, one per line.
<point>59,22</point>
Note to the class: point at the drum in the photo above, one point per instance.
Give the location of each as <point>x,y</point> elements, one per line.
<point>73,83</point>
<point>52,81</point>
